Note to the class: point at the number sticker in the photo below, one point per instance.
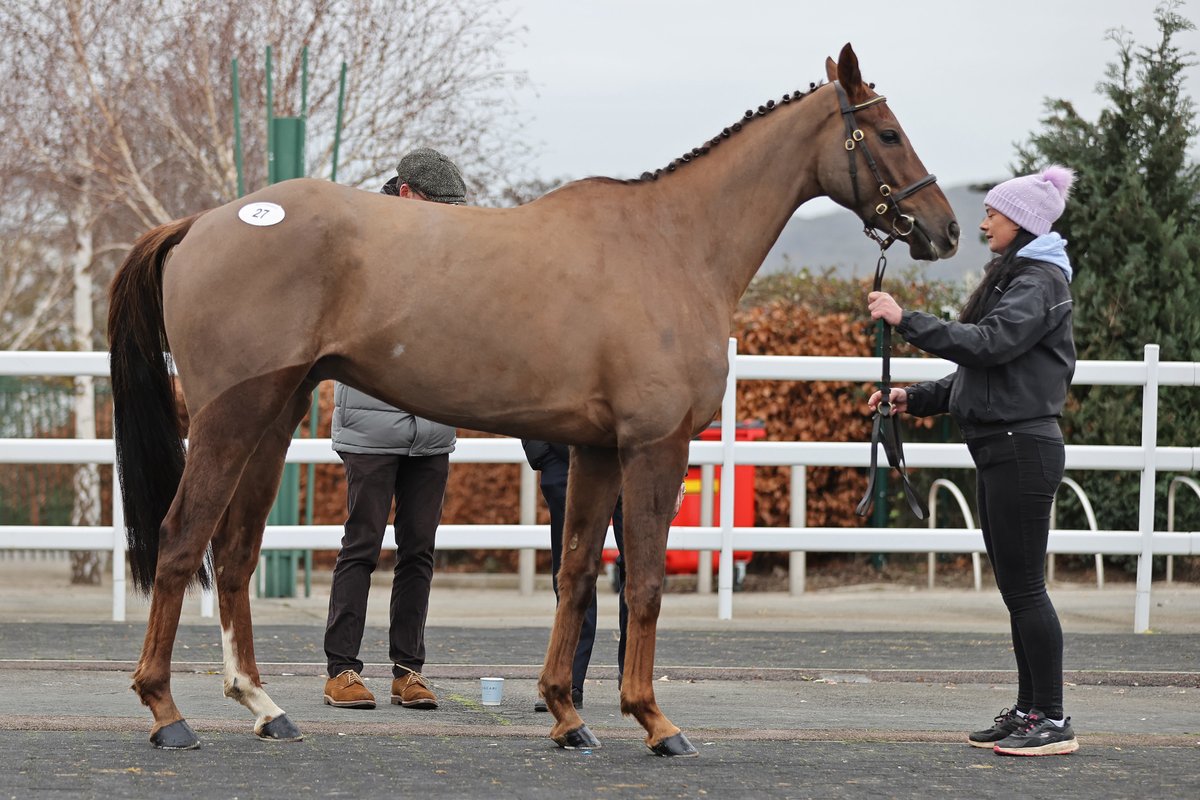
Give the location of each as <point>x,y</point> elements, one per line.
<point>261,214</point>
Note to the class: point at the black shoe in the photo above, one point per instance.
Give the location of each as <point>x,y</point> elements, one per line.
<point>1039,736</point>
<point>1007,723</point>
<point>576,700</point>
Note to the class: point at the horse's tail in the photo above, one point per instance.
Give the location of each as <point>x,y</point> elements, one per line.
<point>146,428</point>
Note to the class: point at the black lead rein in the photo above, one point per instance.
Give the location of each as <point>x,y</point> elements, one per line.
<point>885,428</point>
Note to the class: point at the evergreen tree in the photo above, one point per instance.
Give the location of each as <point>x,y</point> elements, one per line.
<point>1133,223</point>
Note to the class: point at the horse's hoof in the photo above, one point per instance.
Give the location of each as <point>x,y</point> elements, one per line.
<point>280,729</point>
<point>176,736</point>
<point>579,739</point>
<point>676,746</point>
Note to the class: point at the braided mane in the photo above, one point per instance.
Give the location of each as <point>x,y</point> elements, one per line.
<point>696,152</point>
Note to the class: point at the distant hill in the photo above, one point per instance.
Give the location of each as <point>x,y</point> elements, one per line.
<point>836,240</point>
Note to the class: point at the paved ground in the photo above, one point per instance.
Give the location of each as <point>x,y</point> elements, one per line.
<point>854,693</point>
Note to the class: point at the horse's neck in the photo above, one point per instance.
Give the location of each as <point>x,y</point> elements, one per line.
<point>741,194</point>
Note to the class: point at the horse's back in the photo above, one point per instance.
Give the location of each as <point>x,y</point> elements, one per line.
<point>417,303</point>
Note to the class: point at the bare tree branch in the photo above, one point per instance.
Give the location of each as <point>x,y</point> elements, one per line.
<point>129,101</point>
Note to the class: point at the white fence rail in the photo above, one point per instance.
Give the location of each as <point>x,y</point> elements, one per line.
<point>1148,459</point>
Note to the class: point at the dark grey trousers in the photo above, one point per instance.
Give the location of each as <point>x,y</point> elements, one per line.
<point>418,484</point>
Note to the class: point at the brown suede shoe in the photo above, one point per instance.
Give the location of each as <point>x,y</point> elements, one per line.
<point>348,691</point>
<point>411,691</point>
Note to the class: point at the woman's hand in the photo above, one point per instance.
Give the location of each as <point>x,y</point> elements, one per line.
<point>899,400</point>
<point>883,306</point>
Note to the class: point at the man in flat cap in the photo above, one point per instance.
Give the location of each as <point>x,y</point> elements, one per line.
<point>426,174</point>
<point>389,453</point>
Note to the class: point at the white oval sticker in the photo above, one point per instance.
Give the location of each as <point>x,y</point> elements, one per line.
<point>261,214</point>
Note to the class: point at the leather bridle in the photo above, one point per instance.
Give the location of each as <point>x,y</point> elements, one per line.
<point>885,428</point>
<point>902,224</point>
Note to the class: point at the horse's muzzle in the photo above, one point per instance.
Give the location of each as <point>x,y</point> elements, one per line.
<point>923,246</point>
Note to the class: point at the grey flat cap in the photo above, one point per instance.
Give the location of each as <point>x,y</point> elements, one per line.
<point>433,175</point>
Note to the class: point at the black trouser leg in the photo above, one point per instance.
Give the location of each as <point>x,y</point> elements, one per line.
<point>420,491</point>
<point>1018,475</point>
<point>369,484</point>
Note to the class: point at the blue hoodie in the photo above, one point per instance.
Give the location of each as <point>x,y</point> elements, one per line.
<point>1051,248</point>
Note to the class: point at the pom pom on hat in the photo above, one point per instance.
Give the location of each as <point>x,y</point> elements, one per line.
<point>1033,201</point>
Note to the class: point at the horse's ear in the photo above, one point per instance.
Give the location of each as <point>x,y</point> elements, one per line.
<point>849,76</point>
<point>830,70</point>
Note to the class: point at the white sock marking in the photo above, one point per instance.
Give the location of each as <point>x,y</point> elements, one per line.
<point>239,686</point>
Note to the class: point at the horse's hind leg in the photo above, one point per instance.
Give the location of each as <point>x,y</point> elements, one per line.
<point>593,483</point>
<point>651,484</point>
<point>223,435</point>
<point>235,553</point>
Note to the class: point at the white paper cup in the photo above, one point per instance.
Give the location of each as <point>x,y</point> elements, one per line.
<point>491,690</point>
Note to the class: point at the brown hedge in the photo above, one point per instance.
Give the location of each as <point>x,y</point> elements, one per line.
<point>788,410</point>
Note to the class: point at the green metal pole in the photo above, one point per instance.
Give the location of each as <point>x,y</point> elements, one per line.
<point>304,82</point>
<point>337,131</point>
<point>270,122</point>
<point>303,107</point>
<point>312,490</point>
<point>237,132</point>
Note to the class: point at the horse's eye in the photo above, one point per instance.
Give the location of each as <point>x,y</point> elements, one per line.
<point>889,136</point>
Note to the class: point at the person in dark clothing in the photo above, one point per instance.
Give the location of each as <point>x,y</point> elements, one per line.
<point>389,453</point>
<point>1015,353</point>
<point>552,461</point>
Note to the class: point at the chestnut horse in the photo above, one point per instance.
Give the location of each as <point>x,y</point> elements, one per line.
<point>596,316</point>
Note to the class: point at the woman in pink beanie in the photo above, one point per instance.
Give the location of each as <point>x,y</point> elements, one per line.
<point>1015,354</point>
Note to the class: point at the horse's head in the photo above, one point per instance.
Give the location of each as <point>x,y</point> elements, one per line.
<point>870,167</point>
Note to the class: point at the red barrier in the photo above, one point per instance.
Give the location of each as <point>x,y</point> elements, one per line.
<point>682,562</point>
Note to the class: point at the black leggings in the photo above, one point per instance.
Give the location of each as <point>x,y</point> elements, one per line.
<point>1018,477</point>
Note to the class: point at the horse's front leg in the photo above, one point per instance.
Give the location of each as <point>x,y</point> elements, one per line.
<point>593,483</point>
<point>652,474</point>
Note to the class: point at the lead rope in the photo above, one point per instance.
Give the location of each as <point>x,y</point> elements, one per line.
<point>885,428</point>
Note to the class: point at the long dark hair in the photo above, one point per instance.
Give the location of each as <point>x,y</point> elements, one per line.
<point>996,275</point>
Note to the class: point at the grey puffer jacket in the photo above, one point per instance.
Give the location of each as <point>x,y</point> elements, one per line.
<point>362,424</point>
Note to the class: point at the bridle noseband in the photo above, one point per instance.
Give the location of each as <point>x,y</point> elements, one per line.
<point>885,429</point>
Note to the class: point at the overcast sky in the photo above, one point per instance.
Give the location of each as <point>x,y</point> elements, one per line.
<point>625,86</point>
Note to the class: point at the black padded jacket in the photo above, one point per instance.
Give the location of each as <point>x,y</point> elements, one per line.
<point>1014,366</point>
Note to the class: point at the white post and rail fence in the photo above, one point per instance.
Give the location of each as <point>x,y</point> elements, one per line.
<point>1147,458</point>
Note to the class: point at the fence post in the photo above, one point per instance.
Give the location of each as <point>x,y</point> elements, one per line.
<point>208,601</point>
<point>798,559</point>
<point>1141,603</point>
<point>118,549</point>
<point>527,558</point>
<point>704,573</point>
<point>728,435</point>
